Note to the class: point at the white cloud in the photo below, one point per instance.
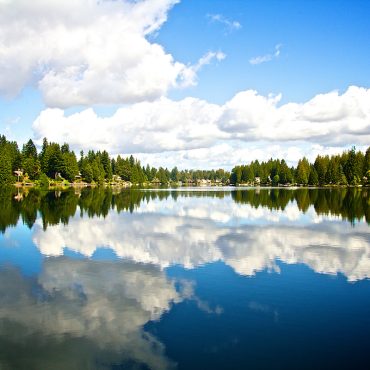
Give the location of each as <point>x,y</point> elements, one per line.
<point>189,76</point>
<point>230,25</point>
<point>194,133</point>
<point>144,127</point>
<point>267,57</point>
<point>87,52</point>
<point>328,119</point>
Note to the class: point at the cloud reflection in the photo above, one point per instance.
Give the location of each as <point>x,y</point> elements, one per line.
<point>192,232</point>
<point>98,307</point>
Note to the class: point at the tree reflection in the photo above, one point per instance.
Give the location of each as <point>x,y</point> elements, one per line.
<point>351,204</point>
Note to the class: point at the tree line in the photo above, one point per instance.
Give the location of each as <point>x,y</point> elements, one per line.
<point>348,168</point>
<point>56,162</point>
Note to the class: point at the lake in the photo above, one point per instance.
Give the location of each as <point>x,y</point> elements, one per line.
<point>220,278</point>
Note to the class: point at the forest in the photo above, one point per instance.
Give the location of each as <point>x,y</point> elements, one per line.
<point>58,163</point>
<point>348,168</point>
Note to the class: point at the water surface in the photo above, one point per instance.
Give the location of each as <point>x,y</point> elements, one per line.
<point>185,279</point>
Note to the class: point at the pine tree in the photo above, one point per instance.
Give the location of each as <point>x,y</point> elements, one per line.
<point>6,176</point>
<point>70,166</point>
<point>86,171</point>
<point>350,170</point>
<point>106,165</point>
<point>30,161</point>
<point>303,171</point>
<point>313,179</point>
<point>321,164</point>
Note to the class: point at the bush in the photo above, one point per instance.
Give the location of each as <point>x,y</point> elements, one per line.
<point>44,181</point>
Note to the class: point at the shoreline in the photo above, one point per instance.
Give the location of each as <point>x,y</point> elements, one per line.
<point>60,186</point>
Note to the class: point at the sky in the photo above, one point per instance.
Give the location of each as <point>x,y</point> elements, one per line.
<point>187,83</point>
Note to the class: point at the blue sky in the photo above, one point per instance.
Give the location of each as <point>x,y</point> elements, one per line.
<point>235,75</point>
<point>325,46</point>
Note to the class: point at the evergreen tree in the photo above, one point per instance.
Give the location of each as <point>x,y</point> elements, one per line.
<point>30,161</point>
<point>238,175</point>
<point>65,148</point>
<point>285,175</point>
<point>106,165</point>
<point>86,171</point>
<point>6,176</point>
<point>162,177</point>
<point>321,164</point>
<point>31,167</point>
<point>313,179</point>
<point>175,174</point>
<point>97,170</point>
<point>303,171</point>
<point>29,150</point>
<point>70,166</point>
<point>52,160</point>
<point>351,167</point>
<point>367,160</point>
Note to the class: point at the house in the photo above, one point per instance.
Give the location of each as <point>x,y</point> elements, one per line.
<point>155,181</point>
<point>204,182</point>
<point>78,177</point>
<point>18,173</point>
<point>116,178</point>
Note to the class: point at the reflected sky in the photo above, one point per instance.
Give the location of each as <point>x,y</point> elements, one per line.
<point>196,231</point>
<point>99,306</point>
<point>183,281</point>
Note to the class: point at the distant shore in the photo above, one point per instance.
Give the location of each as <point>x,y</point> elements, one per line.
<point>126,185</point>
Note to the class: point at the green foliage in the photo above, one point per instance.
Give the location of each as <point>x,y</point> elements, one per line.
<point>59,206</point>
<point>275,179</point>
<point>107,165</point>
<point>29,150</point>
<point>123,168</point>
<point>86,171</point>
<point>175,176</point>
<point>6,177</point>
<point>70,166</point>
<point>52,160</point>
<point>285,174</point>
<point>367,161</point>
<point>98,170</point>
<point>321,165</point>
<point>350,167</point>
<point>303,171</point>
<point>31,166</point>
<point>9,160</point>
<point>44,181</point>
<point>367,177</point>
<point>162,176</point>
<point>313,179</point>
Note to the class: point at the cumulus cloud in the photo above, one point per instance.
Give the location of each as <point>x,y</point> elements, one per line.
<point>267,57</point>
<point>104,315</point>
<point>230,25</point>
<point>87,52</point>
<point>188,233</point>
<point>195,131</point>
<point>329,119</point>
<point>144,127</point>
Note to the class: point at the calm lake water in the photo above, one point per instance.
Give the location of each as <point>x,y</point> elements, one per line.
<point>185,279</point>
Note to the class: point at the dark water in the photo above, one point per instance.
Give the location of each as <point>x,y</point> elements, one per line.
<point>196,279</point>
